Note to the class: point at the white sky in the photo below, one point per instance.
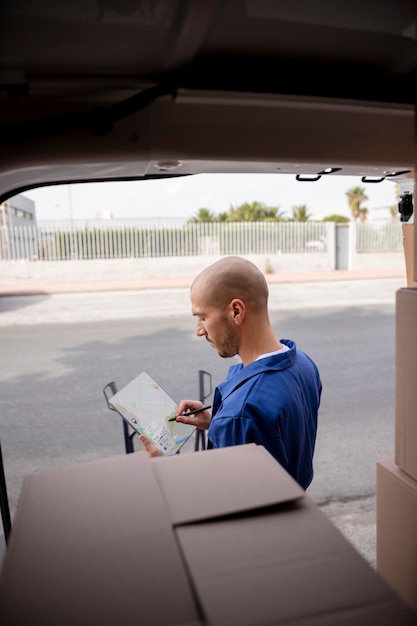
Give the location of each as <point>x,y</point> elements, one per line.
<point>181,198</point>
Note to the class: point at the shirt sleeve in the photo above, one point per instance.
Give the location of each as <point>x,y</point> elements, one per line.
<point>227,431</point>
<point>231,431</point>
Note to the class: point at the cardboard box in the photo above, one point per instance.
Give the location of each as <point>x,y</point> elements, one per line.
<point>409,253</point>
<point>406,381</point>
<point>397,529</point>
<point>220,537</point>
<point>83,542</point>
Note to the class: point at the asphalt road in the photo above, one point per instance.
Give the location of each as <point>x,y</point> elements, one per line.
<point>59,352</point>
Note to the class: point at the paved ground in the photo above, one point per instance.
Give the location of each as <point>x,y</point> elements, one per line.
<point>356,520</point>
<point>31,287</point>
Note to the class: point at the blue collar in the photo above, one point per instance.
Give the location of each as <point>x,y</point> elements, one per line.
<point>239,374</point>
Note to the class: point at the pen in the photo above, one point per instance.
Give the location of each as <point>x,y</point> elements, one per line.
<point>203,408</point>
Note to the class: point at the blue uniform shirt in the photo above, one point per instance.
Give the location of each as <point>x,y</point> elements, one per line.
<point>272,402</point>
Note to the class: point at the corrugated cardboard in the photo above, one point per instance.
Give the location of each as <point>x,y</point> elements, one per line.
<point>86,545</point>
<point>118,542</point>
<point>406,387</point>
<point>289,563</point>
<point>235,480</point>
<point>409,253</point>
<point>397,529</point>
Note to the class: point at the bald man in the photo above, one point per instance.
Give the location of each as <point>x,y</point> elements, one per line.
<point>272,397</point>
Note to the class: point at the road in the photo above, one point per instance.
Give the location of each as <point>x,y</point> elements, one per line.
<point>60,351</point>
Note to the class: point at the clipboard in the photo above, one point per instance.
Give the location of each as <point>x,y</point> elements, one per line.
<point>147,408</point>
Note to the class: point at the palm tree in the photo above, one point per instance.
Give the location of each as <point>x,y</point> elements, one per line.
<point>300,214</point>
<point>273,214</point>
<point>203,215</point>
<point>356,195</point>
<point>393,211</point>
<point>363,214</point>
<point>253,212</point>
<point>246,212</point>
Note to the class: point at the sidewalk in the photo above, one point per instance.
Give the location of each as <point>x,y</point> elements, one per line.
<point>32,287</point>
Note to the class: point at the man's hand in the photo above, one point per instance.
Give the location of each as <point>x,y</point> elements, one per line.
<point>149,447</point>
<point>200,420</point>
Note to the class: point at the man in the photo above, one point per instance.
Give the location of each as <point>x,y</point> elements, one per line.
<point>272,397</point>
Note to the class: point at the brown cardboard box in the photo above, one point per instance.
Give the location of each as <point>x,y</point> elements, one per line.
<point>220,537</point>
<point>397,529</point>
<point>409,253</point>
<point>406,381</point>
<point>84,543</point>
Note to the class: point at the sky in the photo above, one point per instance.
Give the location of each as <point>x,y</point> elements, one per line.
<point>181,198</point>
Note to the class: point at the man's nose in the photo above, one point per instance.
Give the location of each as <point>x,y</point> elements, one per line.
<point>200,330</point>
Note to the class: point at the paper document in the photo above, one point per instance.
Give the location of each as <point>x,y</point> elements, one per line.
<point>147,408</point>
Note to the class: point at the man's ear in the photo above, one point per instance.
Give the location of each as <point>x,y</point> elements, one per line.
<point>237,308</point>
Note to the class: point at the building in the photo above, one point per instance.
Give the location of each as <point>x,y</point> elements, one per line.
<point>18,211</point>
<point>16,214</point>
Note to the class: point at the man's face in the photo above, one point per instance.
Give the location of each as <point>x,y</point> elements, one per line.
<point>216,326</point>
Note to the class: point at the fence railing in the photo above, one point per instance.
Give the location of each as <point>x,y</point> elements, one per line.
<point>91,240</point>
<point>382,237</point>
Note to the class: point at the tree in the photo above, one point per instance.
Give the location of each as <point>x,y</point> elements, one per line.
<point>393,210</point>
<point>363,214</point>
<point>203,215</point>
<point>254,212</point>
<point>300,214</point>
<point>357,195</point>
<point>339,219</point>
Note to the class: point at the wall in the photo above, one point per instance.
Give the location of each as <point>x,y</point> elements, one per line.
<point>12,272</point>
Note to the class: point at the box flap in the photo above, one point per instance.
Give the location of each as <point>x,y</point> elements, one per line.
<point>222,481</point>
<point>89,542</point>
<point>286,566</point>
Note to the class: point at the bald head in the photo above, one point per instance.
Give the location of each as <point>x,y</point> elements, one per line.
<point>233,277</point>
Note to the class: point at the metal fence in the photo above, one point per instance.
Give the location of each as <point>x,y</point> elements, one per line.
<point>95,240</point>
<point>378,237</point>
